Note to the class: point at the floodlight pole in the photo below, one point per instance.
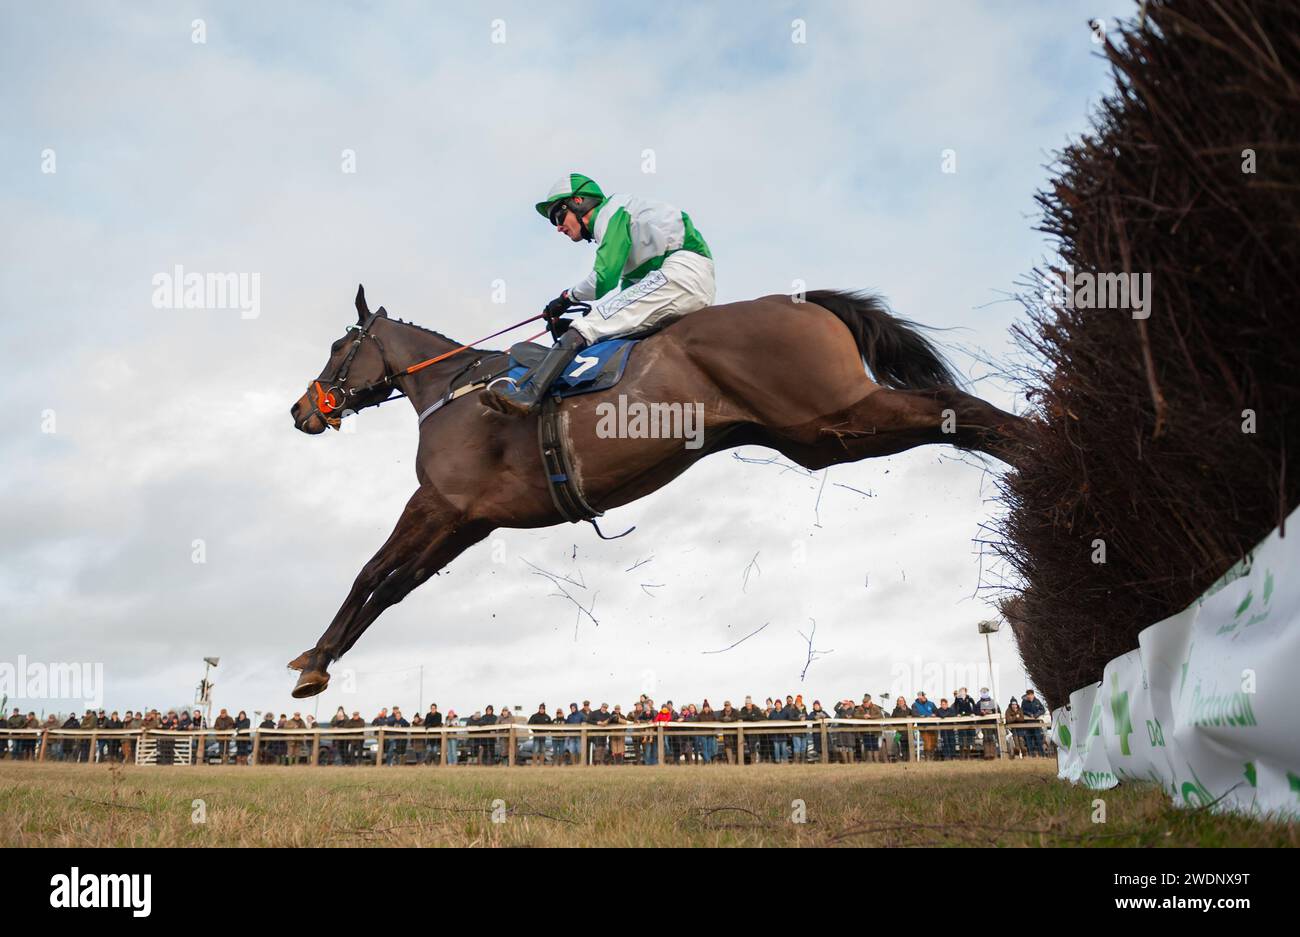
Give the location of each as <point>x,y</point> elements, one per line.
<point>993,683</point>
<point>207,691</point>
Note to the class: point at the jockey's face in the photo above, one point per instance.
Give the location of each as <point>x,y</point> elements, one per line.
<point>571,226</point>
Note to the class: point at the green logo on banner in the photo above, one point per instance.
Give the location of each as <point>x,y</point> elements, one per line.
<point>1250,773</point>
<point>1064,732</point>
<point>1261,612</point>
<point>1183,681</point>
<point>1094,727</point>
<point>1196,794</point>
<point>1227,709</point>
<point>1119,712</point>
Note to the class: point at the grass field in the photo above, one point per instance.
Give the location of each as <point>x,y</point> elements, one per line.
<point>1016,803</point>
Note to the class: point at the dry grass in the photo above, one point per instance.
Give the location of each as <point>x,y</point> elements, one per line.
<point>1005,804</point>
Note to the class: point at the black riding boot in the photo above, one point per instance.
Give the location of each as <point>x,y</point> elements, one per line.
<point>524,398</point>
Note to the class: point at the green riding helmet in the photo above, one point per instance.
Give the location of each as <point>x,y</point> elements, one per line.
<point>574,185</point>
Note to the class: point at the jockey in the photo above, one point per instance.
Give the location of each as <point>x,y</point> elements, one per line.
<point>651,266</point>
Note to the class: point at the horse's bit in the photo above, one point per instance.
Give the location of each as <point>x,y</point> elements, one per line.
<point>325,402</point>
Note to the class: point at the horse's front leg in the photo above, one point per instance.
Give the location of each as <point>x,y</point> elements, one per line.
<point>429,535</point>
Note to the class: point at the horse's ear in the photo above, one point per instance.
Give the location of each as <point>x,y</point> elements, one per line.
<point>363,311</point>
<point>382,313</point>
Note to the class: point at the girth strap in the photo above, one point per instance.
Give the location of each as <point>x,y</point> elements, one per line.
<point>560,477</point>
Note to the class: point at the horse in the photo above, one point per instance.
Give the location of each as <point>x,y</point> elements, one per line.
<point>782,372</point>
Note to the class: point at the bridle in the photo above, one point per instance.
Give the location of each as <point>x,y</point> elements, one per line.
<point>325,402</point>
<point>329,400</point>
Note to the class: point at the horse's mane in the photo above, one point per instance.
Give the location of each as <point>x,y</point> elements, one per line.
<point>446,338</point>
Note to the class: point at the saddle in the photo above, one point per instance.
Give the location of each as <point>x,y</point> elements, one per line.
<point>598,367</point>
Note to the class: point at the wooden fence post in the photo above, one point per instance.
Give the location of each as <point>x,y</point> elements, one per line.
<point>315,748</point>
<point>379,755</point>
<point>442,752</point>
<point>510,752</point>
<point>45,743</point>
<point>826,740</point>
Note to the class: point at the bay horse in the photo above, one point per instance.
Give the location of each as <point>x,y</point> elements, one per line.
<point>780,371</point>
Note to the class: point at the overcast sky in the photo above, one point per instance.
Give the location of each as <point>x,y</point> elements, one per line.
<point>135,431</point>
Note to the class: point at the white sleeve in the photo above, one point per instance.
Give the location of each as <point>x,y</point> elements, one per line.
<point>585,290</point>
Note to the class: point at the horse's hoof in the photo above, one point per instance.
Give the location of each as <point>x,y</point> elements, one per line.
<point>311,683</point>
<point>301,662</point>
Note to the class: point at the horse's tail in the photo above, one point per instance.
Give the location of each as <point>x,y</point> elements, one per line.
<point>896,353</point>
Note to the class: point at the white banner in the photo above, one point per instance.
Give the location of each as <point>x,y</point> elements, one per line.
<point>1203,707</point>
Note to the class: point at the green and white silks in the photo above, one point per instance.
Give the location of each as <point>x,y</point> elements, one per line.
<point>683,284</point>
<point>634,236</point>
<point>652,255</point>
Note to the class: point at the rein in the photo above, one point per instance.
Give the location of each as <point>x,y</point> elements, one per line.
<point>325,402</point>
<point>421,365</point>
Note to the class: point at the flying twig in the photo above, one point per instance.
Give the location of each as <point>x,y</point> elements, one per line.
<point>812,654</point>
<point>865,494</point>
<point>577,619</point>
<point>753,564</point>
<point>639,563</point>
<point>651,585</point>
<point>564,593</point>
<point>554,576</point>
<point>817,506</point>
<point>741,641</point>
<point>773,460</point>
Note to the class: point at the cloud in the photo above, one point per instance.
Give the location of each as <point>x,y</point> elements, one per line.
<point>818,162</point>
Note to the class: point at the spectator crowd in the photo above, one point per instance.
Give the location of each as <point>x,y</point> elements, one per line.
<point>353,738</point>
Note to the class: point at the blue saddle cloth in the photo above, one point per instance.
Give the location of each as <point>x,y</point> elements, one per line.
<point>598,367</point>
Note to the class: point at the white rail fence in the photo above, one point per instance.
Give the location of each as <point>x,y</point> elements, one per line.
<point>821,740</point>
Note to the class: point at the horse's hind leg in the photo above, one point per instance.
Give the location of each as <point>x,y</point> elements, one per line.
<point>429,535</point>
<point>887,421</point>
<point>979,425</point>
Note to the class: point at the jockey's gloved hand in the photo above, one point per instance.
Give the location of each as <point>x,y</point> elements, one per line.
<point>558,327</point>
<point>556,307</point>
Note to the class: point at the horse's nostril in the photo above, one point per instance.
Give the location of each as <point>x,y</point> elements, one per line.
<point>293,411</point>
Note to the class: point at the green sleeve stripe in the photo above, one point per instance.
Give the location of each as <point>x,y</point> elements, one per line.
<point>611,256</point>
<point>694,241</point>
<point>635,276</point>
